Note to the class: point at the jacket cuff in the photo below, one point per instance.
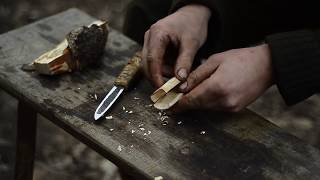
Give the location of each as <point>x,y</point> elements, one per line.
<point>296,63</point>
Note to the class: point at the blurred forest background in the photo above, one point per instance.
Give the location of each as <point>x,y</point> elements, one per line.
<point>60,156</point>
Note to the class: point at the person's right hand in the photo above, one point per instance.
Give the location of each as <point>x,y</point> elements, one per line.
<point>187,30</point>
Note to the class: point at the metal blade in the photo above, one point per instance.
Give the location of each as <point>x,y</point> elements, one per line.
<point>106,103</point>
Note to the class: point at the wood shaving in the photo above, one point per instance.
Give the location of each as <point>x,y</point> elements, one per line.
<point>142,129</point>
<point>111,129</point>
<point>145,134</point>
<point>140,125</point>
<point>109,117</point>
<point>95,96</point>
<point>130,112</point>
<point>119,148</point>
<point>123,108</point>
<point>164,123</point>
<point>149,132</point>
<point>203,132</point>
<point>158,178</point>
<point>179,122</point>
<point>162,118</point>
<point>133,131</point>
<point>136,98</point>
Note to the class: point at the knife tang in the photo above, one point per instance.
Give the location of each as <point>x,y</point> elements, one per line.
<point>129,72</point>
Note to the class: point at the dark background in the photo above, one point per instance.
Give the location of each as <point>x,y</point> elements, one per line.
<point>60,156</point>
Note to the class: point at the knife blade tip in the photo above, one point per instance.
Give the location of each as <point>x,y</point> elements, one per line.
<point>97,116</point>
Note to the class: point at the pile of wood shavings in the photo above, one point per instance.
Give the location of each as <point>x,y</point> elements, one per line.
<point>162,117</point>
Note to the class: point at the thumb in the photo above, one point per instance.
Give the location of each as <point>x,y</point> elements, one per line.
<point>200,74</point>
<point>188,50</point>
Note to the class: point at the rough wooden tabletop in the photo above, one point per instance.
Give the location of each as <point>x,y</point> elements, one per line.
<point>198,145</point>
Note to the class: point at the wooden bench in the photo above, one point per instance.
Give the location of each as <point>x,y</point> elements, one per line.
<point>197,145</point>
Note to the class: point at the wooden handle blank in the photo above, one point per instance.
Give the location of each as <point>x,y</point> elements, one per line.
<point>129,71</point>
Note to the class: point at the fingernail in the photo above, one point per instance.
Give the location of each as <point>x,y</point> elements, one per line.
<point>182,73</point>
<point>183,85</point>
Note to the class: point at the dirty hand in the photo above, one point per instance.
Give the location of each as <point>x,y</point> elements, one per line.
<point>228,81</point>
<point>186,29</point>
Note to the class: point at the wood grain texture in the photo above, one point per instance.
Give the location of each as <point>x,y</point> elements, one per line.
<point>204,145</point>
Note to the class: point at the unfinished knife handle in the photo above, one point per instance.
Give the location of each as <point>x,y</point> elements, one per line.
<point>129,71</point>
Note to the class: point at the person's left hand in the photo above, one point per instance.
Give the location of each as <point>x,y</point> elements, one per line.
<point>228,81</point>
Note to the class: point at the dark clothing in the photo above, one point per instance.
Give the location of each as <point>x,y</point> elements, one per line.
<point>289,27</point>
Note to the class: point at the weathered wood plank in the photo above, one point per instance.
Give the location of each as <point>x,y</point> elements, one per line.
<point>234,146</point>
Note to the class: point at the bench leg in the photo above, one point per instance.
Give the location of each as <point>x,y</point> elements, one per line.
<point>125,176</point>
<point>25,141</point>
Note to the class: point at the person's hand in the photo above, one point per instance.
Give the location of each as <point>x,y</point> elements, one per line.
<point>228,81</point>
<point>186,29</point>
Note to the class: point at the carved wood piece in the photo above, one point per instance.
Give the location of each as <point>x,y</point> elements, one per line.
<point>164,89</point>
<point>81,47</point>
<point>167,95</point>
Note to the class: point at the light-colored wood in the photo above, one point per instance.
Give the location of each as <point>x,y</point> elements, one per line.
<point>54,61</point>
<point>164,89</point>
<point>167,101</point>
<point>59,60</point>
<point>167,95</point>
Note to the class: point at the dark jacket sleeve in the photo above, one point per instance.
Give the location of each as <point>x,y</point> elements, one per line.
<point>296,63</point>
<point>295,53</point>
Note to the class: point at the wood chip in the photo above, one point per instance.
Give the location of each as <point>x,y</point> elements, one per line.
<point>162,118</point>
<point>203,132</point>
<point>164,123</point>
<point>95,96</point>
<point>158,178</point>
<point>109,117</point>
<point>142,129</point>
<point>119,148</point>
<point>179,122</point>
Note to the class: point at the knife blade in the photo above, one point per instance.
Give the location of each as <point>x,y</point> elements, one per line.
<point>122,82</point>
